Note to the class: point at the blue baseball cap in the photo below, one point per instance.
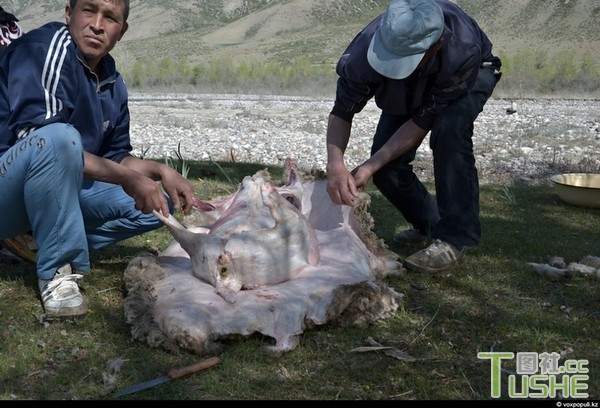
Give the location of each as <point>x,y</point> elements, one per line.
<point>407,30</point>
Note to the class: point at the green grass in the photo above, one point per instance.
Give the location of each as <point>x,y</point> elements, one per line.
<point>491,301</point>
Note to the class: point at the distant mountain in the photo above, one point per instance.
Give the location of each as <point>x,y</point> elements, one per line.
<point>317,30</point>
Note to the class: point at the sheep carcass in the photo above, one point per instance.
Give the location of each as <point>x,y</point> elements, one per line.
<point>260,239</point>
<point>172,303</point>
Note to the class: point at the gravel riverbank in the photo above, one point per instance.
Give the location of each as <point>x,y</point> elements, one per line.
<point>543,137</point>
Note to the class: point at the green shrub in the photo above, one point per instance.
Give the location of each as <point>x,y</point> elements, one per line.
<point>527,73</point>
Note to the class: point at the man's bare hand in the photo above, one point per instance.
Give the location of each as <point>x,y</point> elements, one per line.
<point>147,193</point>
<point>362,174</point>
<point>340,185</point>
<point>178,188</point>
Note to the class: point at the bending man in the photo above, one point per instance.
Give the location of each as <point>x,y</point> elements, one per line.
<point>430,68</point>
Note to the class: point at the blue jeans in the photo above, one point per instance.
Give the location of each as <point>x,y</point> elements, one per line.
<point>43,191</point>
<point>453,215</point>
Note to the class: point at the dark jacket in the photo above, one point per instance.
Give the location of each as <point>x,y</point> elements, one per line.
<point>43,80</point>
<point>428,90</point>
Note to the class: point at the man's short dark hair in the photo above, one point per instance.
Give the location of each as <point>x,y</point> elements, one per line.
<point>72,3</point>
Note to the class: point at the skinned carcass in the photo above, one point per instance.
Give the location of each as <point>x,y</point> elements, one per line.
<point>260,239</point>
<point>332,263</point>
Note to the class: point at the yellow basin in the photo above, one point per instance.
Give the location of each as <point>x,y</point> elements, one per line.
<point>581,189</point>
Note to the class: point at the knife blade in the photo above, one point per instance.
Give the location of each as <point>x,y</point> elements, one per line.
<point>171,374</point>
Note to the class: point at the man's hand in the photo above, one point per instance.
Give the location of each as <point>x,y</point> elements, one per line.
<point>362,174</point>
<point>340,185</point>
<point>147,193</point>
<point>178,188</point>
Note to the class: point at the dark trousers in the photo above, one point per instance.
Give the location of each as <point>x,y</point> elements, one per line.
<point>453,215</point>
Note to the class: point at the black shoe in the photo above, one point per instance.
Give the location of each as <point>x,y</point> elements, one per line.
<point>411,236</point>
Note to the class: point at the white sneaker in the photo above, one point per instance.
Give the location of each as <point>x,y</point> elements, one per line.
<point>61,295</point>
<point>437,257</point>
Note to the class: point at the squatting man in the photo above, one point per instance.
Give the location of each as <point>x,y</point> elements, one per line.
<point>66,169</point>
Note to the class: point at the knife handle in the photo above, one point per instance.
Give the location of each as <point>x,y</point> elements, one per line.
<point>201,365</point>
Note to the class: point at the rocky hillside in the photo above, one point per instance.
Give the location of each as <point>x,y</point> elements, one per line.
<point>317,29</point>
